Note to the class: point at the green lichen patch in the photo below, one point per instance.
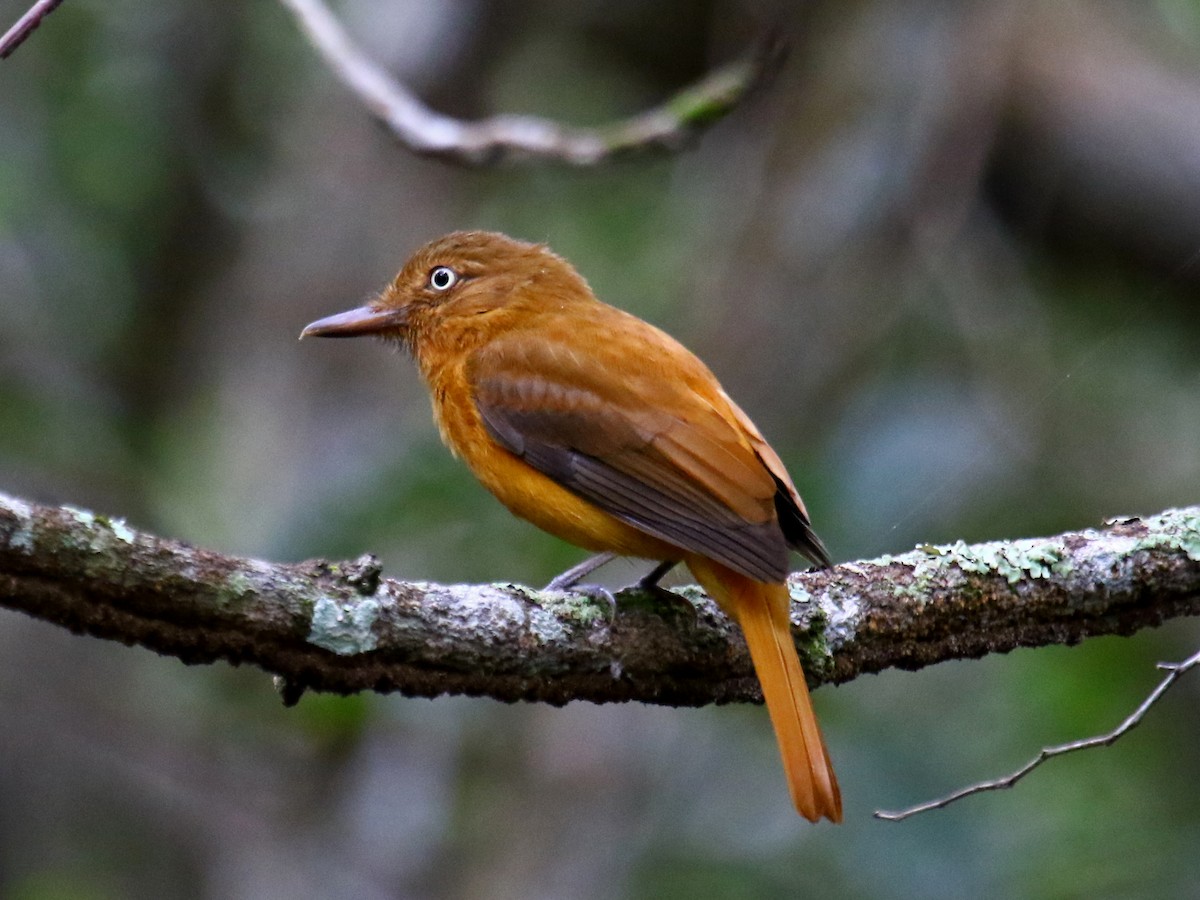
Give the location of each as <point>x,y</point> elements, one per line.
<point>577,608</point>
<point>1013,561</point>
<point>235,591</point>
<point>545,627</point>
<point>121,531</point>
<point>344,628</point>
<point>19,538</point>
<point>832,616</point>
<point>1175,529</point>
<point>799,595</point>
<point>815,647</point>
<point>82,516</point>
<point>101,531</point>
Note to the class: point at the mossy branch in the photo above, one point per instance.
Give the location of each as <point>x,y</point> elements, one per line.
<point>341,627</point>
<point>503,138</point>
<point>522,138</point>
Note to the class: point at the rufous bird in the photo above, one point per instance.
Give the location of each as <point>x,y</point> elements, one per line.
<point>605,431</point>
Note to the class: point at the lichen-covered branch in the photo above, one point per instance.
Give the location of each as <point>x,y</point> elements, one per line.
<point>341,627</point>
<point>512,138</point>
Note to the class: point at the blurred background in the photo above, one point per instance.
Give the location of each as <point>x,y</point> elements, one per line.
<point>948,260</point>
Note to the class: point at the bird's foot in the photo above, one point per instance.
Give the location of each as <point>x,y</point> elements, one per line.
<point>649,581</point>
<point>647,586</point>
<point>662,599</point>
<point>568,580</point>
<point>659,599</point>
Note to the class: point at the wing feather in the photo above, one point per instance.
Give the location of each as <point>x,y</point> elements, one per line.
<point>655,453</point>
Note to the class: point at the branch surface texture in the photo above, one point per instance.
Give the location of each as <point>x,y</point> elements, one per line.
<point>26,25</point>
<point>341,627</point>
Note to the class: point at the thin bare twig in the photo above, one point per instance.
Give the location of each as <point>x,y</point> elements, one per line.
<point>1176,670</point>
<point>508,138</point>
<point>15,36</point>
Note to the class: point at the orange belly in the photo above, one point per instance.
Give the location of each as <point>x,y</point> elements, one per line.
<point>531,495</point>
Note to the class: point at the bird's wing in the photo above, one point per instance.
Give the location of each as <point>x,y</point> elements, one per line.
<point>598,415</point>
<point>793,517</point>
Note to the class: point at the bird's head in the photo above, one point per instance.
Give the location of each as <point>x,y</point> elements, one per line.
<point>464,283</point>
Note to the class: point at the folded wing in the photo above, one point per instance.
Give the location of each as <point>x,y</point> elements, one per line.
<point>672,457</point>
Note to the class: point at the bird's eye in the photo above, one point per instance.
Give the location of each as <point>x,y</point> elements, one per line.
<point>442,278</point>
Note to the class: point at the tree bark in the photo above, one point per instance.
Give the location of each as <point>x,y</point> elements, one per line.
<point>341,627</point>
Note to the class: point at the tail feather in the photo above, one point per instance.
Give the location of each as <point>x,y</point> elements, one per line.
<point>762,612</point>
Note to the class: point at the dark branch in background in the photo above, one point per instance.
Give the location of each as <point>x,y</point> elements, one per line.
<point>510,138</point>
<point>340,627</point>
<point>1177,671</point>
<point>15,36</point>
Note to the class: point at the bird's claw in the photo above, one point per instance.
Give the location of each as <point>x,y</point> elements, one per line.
<point>648,585</point>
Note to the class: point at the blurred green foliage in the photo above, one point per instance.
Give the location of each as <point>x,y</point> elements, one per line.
<point>950,320</point>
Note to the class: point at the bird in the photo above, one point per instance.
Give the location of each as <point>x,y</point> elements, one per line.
<point>603,430</point>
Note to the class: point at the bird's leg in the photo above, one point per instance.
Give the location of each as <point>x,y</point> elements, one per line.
<point>568,579</point>
<point>649,585</point>
<point>649,581</point>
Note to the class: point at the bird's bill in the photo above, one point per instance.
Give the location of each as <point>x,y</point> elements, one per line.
<point>355,322</point>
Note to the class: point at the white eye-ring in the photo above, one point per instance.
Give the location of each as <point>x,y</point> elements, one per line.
<point>442,278</point>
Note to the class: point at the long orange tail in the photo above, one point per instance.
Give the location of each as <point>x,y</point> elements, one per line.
<point>762,611</point>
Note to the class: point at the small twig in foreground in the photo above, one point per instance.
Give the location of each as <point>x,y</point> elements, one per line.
<point>508,138</point>
<point>15,36</point>
<point>1176,671</point>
